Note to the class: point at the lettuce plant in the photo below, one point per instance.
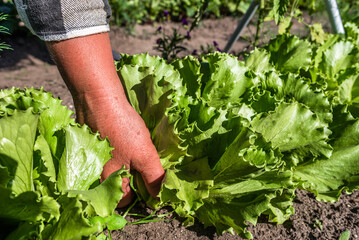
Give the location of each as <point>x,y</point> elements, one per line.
<point>237,138</point>
<point>49,171</point>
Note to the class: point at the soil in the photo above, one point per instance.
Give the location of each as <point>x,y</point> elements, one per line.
<point>29,65</point>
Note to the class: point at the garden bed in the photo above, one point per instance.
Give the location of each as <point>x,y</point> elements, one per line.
<point>30,65</point>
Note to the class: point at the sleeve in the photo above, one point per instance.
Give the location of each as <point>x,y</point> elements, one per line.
<point>55,20</point>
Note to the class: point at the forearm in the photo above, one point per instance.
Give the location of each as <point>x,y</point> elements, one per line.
<point>87,67</point>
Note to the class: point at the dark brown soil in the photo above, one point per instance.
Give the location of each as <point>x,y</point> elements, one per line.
<point>312,220</point>
<point>29,65</point>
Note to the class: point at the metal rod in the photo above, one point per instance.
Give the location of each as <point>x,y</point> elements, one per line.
<point>334,16</point>
<point>241,25</point>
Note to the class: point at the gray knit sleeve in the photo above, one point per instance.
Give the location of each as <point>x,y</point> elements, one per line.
<point>55,20</point>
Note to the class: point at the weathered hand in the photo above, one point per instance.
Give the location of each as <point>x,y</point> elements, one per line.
<point>133,146</point>
<point>87,67</point>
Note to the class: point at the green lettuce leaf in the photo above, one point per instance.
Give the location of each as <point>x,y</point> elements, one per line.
<point>328,177</point>
<point>53,118</point>
<point>247,155</point>
<point>259,61</point>
<point>289,87</point>
<point>337,58</point>
<point>279,9</point>
<point>105,197</point>
<point>289,53</point>
<point>292,127</point>
<point>148,82</point>
<point>72,223</point>
<point>4,176</point>
<point>352,32</point>
<point>46,164</point>
<point>112,222</point>
<point>17,137</point>
<point>83,158</point>
<point>231,206</point>
<point>224,85</point>
<point>27,206</point>
<point>190,70</point>
<point>186,188</point>
<point>25,230</point>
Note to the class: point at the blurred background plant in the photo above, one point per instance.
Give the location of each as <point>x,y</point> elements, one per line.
<point>128,13</point>
<point>3,30</point>
<point>12,21</point>
<point>172,44</point>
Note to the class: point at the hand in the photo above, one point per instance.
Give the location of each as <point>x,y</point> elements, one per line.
<point>87,67</point>
<point>131,139</point>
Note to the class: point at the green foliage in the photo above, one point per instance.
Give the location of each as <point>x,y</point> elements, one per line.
<point>8,22</point>
<point>317,33</point>
<point>318,224</point>
<point>50,169</point>
<point>349,10</point>
<point>128,12</point>
<point>170,45</point>
<point>345,235</point>
<point>12,23</point>
<point>135,11</point>
<point>4,30</point>
<point>238,137</point>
